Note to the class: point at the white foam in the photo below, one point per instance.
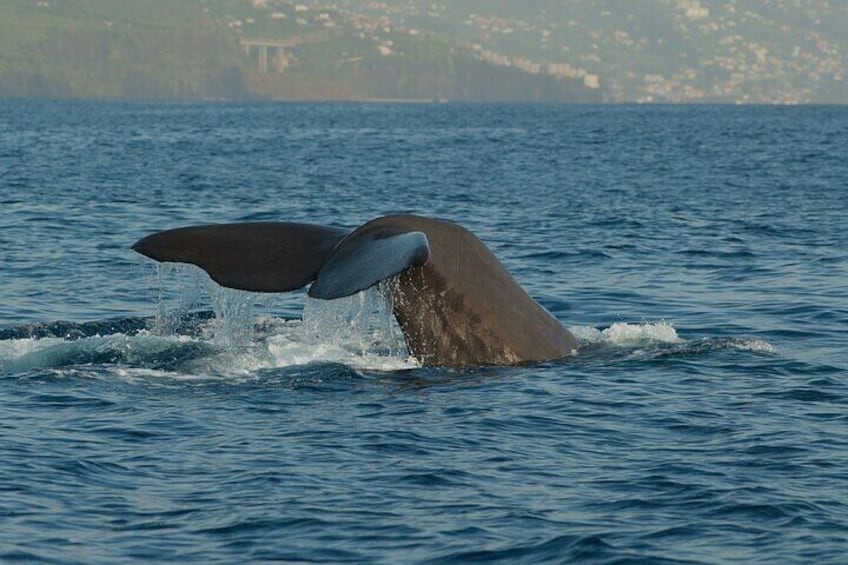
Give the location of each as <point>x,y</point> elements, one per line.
<point>295,343</point>
<point>623,334</point>
<point>15,348</point>
<point>302,347</point>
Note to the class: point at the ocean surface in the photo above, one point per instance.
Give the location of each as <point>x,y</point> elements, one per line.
<point>699,254</point>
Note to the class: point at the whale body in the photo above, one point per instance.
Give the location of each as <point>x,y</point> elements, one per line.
<point>454,301</point>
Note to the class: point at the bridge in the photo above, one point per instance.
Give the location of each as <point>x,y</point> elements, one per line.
<point>265,45</point>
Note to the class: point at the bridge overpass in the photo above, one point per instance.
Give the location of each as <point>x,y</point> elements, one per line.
<point>263,46</point>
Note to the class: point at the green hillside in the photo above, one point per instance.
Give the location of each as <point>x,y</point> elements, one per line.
<point>191,50</point>
<point>114,48</point>
<point>739,51</point>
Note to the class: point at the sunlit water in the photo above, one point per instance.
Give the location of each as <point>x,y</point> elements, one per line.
<point>698,254</point>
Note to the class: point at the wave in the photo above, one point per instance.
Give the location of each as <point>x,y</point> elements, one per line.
<point>292,345</point>
<point>182,323</point>
<point>358,332</point>
<point>212,347</point>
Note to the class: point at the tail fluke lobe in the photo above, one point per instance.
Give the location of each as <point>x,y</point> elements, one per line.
<point>364,259</point>
<point>260,257</point>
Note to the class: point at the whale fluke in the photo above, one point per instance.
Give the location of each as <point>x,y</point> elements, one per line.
<point>454,301</point>
<point>364,261</point>
<point>260,256</point>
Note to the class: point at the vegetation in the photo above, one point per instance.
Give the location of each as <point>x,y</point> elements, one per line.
<point>102,48</point>
<point>739,51</point>
<point>189,50</point>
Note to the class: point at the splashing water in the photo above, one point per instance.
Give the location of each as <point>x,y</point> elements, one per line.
<point>359,331</point>
<point>363,322</point>
<point>234,339</point>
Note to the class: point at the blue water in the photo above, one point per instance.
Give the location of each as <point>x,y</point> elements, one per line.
<point>699,254</point>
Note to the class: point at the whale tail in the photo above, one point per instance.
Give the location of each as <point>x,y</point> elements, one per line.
<point>284,256</point>
<point>455,302</point>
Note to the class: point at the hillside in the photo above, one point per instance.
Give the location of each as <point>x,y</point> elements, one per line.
<point>740,51</point>
<point>194,50</point>
<point>102,48</point>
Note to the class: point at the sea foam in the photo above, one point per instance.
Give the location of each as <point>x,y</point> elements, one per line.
<point>624,334</point>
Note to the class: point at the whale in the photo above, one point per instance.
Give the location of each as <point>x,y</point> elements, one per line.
<point>454,301</point>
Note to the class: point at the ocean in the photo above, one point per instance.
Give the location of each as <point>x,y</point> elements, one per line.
<point>698,253</point>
